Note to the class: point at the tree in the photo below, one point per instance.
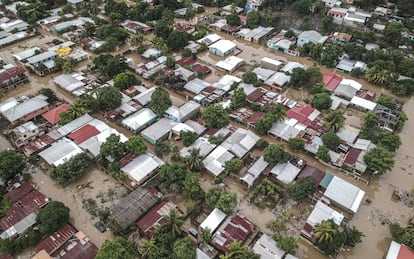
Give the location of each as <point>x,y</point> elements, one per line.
<point>328,24</point>
<point>387,102</point>
<point>379,160</point>
<point>323,154</point>
<point>302,6</point>
<point>217,197</point>
<point>215,116</point>
<point>264,124</point>
<point>321,101</point>
<point>377,75</point>
<point>354,50</point>
<point>137,40</point>
<point>314,75</point>
<point>172,176</point>
<point>160,101</point>
<point>162,29</point>
<point>52,217</point>
<point>330,140</point>
<point>188,138</point>
<point>233,165</point>
<point>108,98</point>
<point>296,143</point>
<point>177,40</point>
<point>262,144</point>
<point>299,78</point>
<point>330,55</point>
<point>238,99</point>
<point>353,236</point>
<point>191,187</point>
<point>335,120</point>
<point>325,231</point>
<point>148,247</point>
<point>72,169</point>
<point>51,96</point>
<point>287,243</point>
<point>251,78</point>
<point>253,19</point>
<point>173,223</point>
<point>11,163</point>
<point>389,141</point>
<point>233,19</point>
<point>113,148</point>
<point>184,249</point>
<point>109,65</point>
<point>392,33</point>
<point>277,110</point>
<point>303,188</point>
<point>125,80</point>
<point>136,145</point>
<point>238,251</point>
<point>275,153</point>
<point>162,148</point>
<point>117,248</point>
<point>170,62</point>
<point>194,161</point>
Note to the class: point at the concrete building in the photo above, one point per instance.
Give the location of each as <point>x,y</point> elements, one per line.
<point>222,48</point>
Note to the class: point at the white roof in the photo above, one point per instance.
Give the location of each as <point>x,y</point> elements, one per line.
<point>225,82</point>
<point>230,63</point>
<point>354,84</point>
<point>241,142</point>
<point>60,152</point>
<point>75,124</point>
<point>345,194</point>
<point>93,144</point>
<point>266,247</point>
<point>290,66</point>
<point>209,39</point>
<point>196,85</point>
<point>202,144</point>
<point>139,119</point>
<point>278,78</point>
<point>24,108</point>
<point>213,220</point>
<point>322,212</point>
<point>254,171</point>
<point>286,172</point>
<point>223,45</point>
<point>26,53</point>
<point>364,144</point>
<point>142,166</point>
<point>144,97</point>
<point>215,161</point>
<point>41,57</point>
<point>201,255</point>
<point>159,129</point>
<point>263,73</point>
<point>271,61</point>
<point>361,102</point>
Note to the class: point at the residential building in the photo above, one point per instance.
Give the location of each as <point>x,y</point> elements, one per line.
<point>140,168</point>
<point>362,104</point>
<point>278,81</point>
<point>160,130</point>
<point>25,109</point>
<point>73,83</point>
<point>331,80</point>
<point>25,133</point>
<point>60,152</point>
<point>139,120</point>
<point>269,63</point>
<point>254,171</point>
<point>209,39</point>
<point>338,14</point>
<point>11,77</point>
<point>215,161</point>
<point>201,144</point>
<point>288,68</point>
<point>56,240</point>
<point>387,118</point>
<point>22,56</point>
<point>180,114</point>
<point>196,85</point>
<point>213,220</point>
<point>230,64</point>
<point>222,48</point>
<point>136,27</point>
<point>43,63</point>
<point>14,26</point>
<point>266,247</point>
<point>347,88</point>
<point>310,37</point>
<point>240,142</point>
<point>286,172</point>
<point>399,251</point>
<point>53,116</point>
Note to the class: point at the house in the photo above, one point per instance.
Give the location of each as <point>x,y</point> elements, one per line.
<point>68,25</point>
<point>284,130</point>
<point>222,48</point>
<point>79,246</point>
<point>266,247</point>
<point>56,240</point>
<point>344,194</point>
<point>73,83</point>
<point>287,172</point>
<point>53,115</point>
<point>73,125</point>
<point>280,44</point>
<point>240,142</point>
<point>12,38</point>
<point>196,85</point>
<point>43,63</point>
<point>11,77</point>
<point>254,171</point>
<point>354,159</point>
<point>180,114</point>
<point>332,3</point>
<point>151,53</point>
<point>201,144</point>
<point>340,38</point>
<point>355,18</point>
<point>213,220</point>
<point>257,34</point>
<point>399,251</point>
<point>215,161</point>
<point>347,89</point>
<point>348,134</point>
<point>136,27</point>
<point>209,39</point>
<point>321,212</point>
<point>144,97</point>
<point>278,81</point>
<point>226,82</point>
<point>140,168</point>
<point>361,103</point>
<point>60,152</point>
<point>14,26</point>
<point>156,217</point>
<point>315,173</point>
<point>263,73</point>
<point>25,133</point>
<point>288,68</point>
<point>331,80</point>
<point>237,228</point>
<point>184,74</point>
<point>338,14</point>
<point>200,70</point>
<point>133,206</point>
<point>269,63</point>
<point>139,120</point>
<point>304,114</point>
<point>387,118</point>
<point>311,36</point>
<point>347,65</point>
<point>160,130</point>
<point>246,116</point>
<point>23,110</point>
<point>230,64</point>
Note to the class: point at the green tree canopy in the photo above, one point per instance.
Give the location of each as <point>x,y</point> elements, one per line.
<point>125,80</point>
<point>108,98</point>
<point>275,153</point>
<point>253,19</point>
<point>389,141</point>
<point>303,188</point>
<point>331,140</point>
<point>379,160</point>
<point>160,101</point>
<point>71,169</point>
<point>177,40</point>
<point>264,124</point>
<point>136,145</point>
<point>217,197</point>
<point>52,217</point>
<point>335,120</point>
<point>184,249</point>
<point>299,78</point>
<point>238,99</point>
<point>188,138</point>
<point>323,154</point>
<point>233,165</point>
<point>215,116</point>
<point>113,147</point>
<point>109,65</point>
<point>194,161</point>
<point>191,187</point>
<point>287,243</point>
<point>233,19</point>
<point>172,176</point>
<point>251,78</point>
<point>392,33</point>
<point>11,163</point>
<point>117,248</point>
<point>296,143</point>
<point>239,251</point>
<point>321,101</point>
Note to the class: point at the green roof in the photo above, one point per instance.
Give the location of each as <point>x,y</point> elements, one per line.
<point>326,180</point>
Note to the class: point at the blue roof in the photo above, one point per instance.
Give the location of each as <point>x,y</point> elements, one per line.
<point>326,180</point>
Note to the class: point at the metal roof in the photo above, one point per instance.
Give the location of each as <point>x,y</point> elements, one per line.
<point>266,247</point>
<point>24,108</point>
<point>137,120</point>
<point>196,85</point>
<point>241,142</point>
<point>60,152</point>
<point>366,104</point>
<point>159,129</point>
<point>254,171</point>
<point>75,124</point>
<point>322,212</point>
<point>202,144</point>
<point>213,220</point>
<point>142,166</point>
<point>53,116</point>
<point>214,162</point>
<point>41,57</point>
<point>345,194</point>
<point>144,97</point>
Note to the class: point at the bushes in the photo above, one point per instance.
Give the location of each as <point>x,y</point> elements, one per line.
<point>71,170</point>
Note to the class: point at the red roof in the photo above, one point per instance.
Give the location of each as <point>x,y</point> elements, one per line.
<point>335,11</point>
<point>57,239</point>
<point>10,73</point>
<point>20,192</point>
<point>52,116</point>
<point>84,133</point>
<point>313,172</point>
<point>352,156</point>
<point>79,250</point>
<point>331,80</point>
<point>187,61</point>
<point>256,94</point>
<point>255,117</point>
<point>301,113</point>
<point>405,252</point>
<point>200,69</point>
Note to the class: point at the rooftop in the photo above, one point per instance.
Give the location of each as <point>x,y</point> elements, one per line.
<point>56,239</point>
<point>24,108</point>
<point>345,194</point>
<point>213,220</point>
<point>60,152</point>
<point>141,166</point>
<point>53,116</point>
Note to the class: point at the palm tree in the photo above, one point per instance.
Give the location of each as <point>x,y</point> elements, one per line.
<point>278,110</point>
<point>78,108</point>
<point>335,120</point>
<point>377,75</point>
<point>237,250</point>
<point>325,231</point>
<point>148,247</point>
<point>194,160</point>
<point>174,223</point>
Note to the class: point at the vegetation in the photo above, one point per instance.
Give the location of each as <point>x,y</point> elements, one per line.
<point>296,143</point>
<point>239,251</point>
<point>321,101</point>
<point>117,248</point>
<point>403,235</point>
<point>11,163</point>
<point>70,170</point>
<point>108,98</point>
<point>218,197</point>
<point>303,188</point>
<point>251,78</point>
<point>109,66</point>
<point>238,99</point>
<point>287,243</point>
<point>233,165</point>
<point>160,101</point>
<point>215,116</point>
<point>323,154</point>
<point>330,140</point>
<point>188,138</point>
<point>264,124</point>
<point>52,217</point>
<point>262,144</point>
<point>194,161</point>
<point>335,120</point>
<point>275,153</point>
<point>136,145</point>
<point>125,80</point>
<point>379,160</point>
